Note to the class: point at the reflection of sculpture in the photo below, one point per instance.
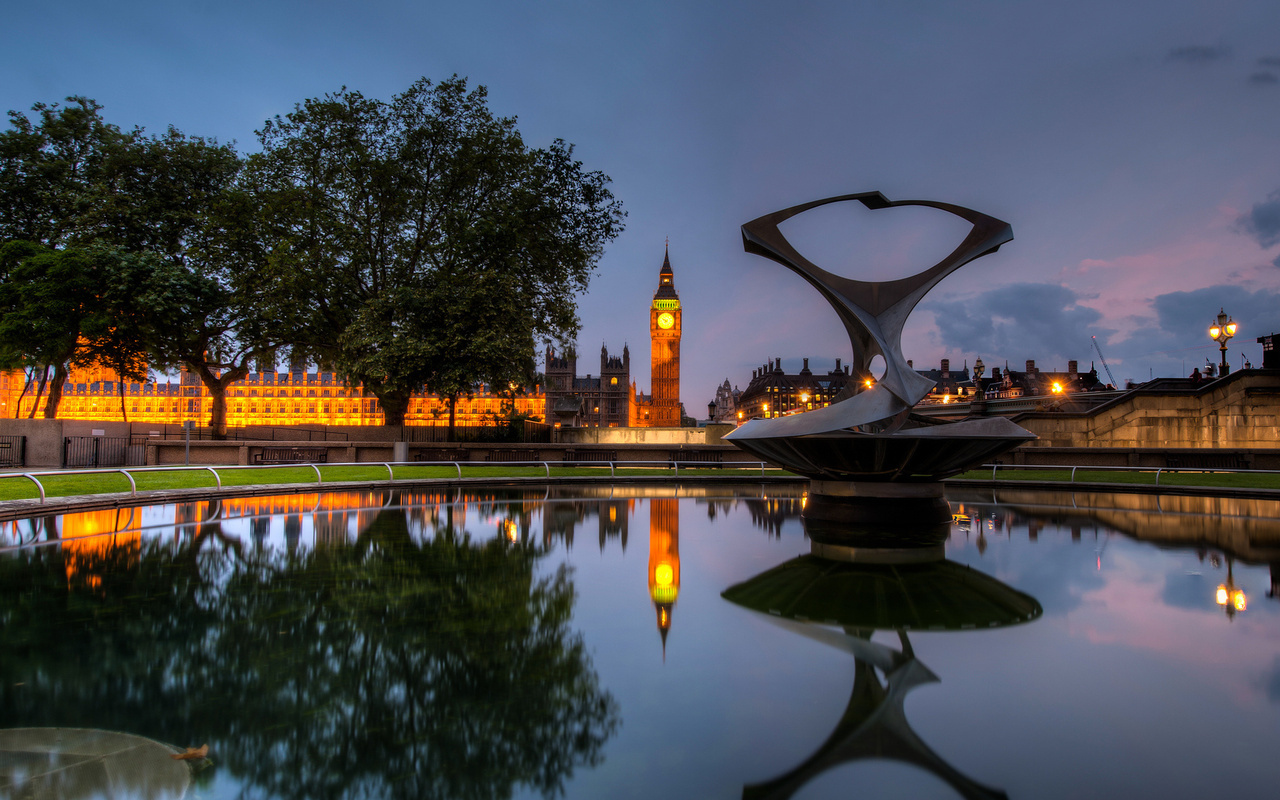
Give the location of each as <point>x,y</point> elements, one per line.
<point>871,435</point>
<point>841,603</point>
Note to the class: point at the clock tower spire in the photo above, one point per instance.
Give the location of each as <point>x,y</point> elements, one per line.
<point>664,337</point>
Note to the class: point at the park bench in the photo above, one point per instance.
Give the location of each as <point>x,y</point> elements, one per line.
<point>699,457</point>
<point>1206,461</point>
<point>589,456</point>
<point>446,454</point>
<point>512,455</point>
<point>291,455</point>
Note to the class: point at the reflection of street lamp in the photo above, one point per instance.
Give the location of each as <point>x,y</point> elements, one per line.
<point>1231,597</point>
<point>1222,330</point>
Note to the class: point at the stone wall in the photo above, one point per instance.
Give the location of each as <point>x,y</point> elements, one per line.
<point>1240,411</point>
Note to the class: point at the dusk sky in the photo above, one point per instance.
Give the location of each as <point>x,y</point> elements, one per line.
<point>1134,147</point>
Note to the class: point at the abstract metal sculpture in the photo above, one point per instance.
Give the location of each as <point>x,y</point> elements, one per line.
<point>872,435</point>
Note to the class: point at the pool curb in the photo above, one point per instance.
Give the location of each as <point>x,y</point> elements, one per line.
<point>23,509</point>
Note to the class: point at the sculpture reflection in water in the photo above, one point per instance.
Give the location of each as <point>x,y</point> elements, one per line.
<point>856,582</point>
<point>387,665</point>
<point>867,446</point>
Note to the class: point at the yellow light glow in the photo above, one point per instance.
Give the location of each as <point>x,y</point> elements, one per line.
<point>1231,329</point>
<point>509,530</point>
<point>663,575</point>
<point>766,406</point>
<point>868,382</point>
<point>1057,388</point>
<point>1238,600</point>
<point>1214,331</point>
<point>1222,595</point>
<point>804,397</point>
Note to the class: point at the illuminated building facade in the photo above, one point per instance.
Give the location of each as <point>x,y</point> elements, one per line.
<point>612,400</point>
<point>665,323</point>
<point>261,398</point>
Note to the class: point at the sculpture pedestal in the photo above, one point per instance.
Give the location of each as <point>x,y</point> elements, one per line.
<point>840,509</point>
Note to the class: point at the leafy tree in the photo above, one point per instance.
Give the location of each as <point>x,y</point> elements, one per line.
<point>188,296</point>
<point>65,308</point>
<point>421,242</point>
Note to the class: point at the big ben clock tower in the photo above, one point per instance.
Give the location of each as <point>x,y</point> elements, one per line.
<point>664,338</point>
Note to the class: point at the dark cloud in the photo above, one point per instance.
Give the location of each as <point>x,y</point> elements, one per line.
<point>1199,54</point>
<point>1269,61</point>
<point>1040,321</point>
<point>1263,221</point>
<point>1263,78</point>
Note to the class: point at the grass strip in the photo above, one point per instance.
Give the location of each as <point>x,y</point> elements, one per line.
<point>14,486</point>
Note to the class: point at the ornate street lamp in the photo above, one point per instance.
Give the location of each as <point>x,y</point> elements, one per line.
<point>1222,330</point>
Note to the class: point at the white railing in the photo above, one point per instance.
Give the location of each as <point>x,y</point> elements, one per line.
<point>390,466</point>
<point>1157,470</point>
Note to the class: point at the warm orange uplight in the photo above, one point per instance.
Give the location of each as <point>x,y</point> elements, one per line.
<point>1233,597</point>
<point>804,397</point>
<point>766,406</point>
<point>868,383</point>
<point>510,531</point>
<point>1057,388</point>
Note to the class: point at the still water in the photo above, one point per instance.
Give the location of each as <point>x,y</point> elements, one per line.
<point>645,642</point>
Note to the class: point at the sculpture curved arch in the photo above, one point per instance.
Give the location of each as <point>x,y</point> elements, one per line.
<point>872,312</point>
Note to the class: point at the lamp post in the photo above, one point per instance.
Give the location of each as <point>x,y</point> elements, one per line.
<point>1222,330</point>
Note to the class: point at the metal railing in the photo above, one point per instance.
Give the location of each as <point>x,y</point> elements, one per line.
<point>129,472</point>
<point>1158,471</point>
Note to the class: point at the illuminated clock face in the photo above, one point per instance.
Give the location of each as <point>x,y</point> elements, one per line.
<point>666,320</point>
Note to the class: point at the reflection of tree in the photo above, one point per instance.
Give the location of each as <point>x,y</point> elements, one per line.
<point>393,667</point>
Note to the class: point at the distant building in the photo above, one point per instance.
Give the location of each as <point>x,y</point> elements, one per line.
<point>725,407</point>
<point>1032,382</point>
<point>612,400</point>
<point>606,400</point>
<point>295,397</point>
<point>774,393</point>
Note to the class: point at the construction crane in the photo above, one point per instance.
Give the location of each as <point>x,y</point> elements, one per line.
<point>1104,361</point>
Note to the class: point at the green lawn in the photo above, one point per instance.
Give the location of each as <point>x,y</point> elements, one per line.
<point>1231,480</point>
<point>16,487</point>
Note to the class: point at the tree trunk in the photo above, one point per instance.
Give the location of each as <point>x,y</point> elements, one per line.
<point>395,405</point>
<point>453,408</point>
<point>124,413</point>
<point>55,391</point>
<point>44,378</point>
<point>217,386</point>
<point>30,379</point>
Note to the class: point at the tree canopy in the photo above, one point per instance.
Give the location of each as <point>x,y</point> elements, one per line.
<point>421,242</point>
<point>412,244</point>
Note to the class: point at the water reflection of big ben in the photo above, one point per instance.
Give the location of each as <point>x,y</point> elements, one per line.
<point>664,560</point>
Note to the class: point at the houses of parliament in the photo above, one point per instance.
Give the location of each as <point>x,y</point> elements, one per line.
<point>610,398</point>
<point>301,397</point>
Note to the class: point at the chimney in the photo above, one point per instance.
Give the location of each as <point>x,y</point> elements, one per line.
<point>1073,368</point>
<point>946,367</point>
<point>1031,365</point>
<point>806,366</point>
<point>837,365</point>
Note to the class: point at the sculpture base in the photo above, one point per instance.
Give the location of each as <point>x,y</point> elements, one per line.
<point>857,505</point>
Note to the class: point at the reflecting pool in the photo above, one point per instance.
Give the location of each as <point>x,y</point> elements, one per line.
<point>641,641</point>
